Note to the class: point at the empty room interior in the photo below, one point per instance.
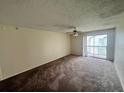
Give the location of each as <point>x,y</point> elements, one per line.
<point>61,45</point>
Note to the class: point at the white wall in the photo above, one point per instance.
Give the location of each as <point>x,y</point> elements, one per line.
<point>119,53</point>
<point>24,49</point>
<point>118,22</point>
<point>0,73</point>
<point>77,45</point>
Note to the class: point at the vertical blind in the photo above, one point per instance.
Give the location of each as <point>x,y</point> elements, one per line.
<point>99,44</point>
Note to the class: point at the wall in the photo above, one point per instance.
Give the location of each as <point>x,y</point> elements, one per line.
<point>77,45</point>
<point>118,22</point>
<point>0,73</point>
<point>119,53</point>
<point>24,48</point>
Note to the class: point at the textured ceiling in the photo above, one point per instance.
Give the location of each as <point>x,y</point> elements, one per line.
<point>58,15</point>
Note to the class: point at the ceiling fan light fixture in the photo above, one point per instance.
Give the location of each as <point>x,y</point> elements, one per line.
<point>75,33</point>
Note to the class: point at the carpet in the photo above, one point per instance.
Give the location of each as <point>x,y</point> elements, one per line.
<point>70,73</point>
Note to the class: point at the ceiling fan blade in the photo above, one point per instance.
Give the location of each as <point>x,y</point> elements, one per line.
<point>80,31</point>
<point>69,33</point>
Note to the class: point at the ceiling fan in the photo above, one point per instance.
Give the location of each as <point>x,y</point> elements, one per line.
<point>71,29</point>
<point>75,32</point>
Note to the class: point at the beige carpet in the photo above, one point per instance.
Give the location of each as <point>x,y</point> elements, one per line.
<point>71,73</point>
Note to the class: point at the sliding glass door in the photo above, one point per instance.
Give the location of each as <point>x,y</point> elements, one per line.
<point>97,46</point>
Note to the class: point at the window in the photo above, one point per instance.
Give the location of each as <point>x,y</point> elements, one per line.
<point>97,46</point>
